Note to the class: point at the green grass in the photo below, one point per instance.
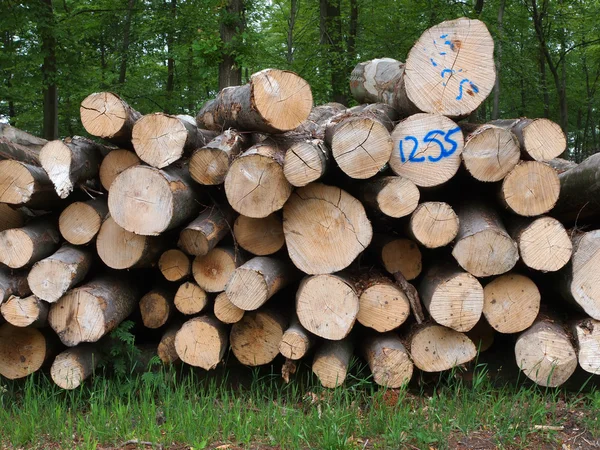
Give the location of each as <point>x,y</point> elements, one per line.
<point>180,406</point>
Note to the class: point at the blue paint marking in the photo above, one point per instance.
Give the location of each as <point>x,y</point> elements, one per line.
<point>444,72</point>
<point>435,42</point>
<point>413,152</point>
<point>430,137</point>
<point>459,70</point>
<point>443,36</point>
<point>442,53</point>
<point>474,88</point>
<point>433,62</point>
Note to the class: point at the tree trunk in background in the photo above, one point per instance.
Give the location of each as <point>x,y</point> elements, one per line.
<point>351,55</point>
<point>331,39</point>
<point>496,105</point>
<point>126,35</point>
<point>8,47</point>
<point>544,85</point>
<point>479,7</point>
<point>290,35</point>
<point>170,59</point>
<point>49,71</point>
<point>232,24</point>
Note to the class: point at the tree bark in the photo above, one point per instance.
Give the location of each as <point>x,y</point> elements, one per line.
<point>500,22</point>
<point>20,145</point>
<point>232,25</point>
<point>24,184</point>
<point>14,218</point>
<point>125,47</point>
<point>46,29</point>
<point>13,283</point>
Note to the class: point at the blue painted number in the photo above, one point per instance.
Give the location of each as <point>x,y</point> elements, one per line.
<point>430,137</point>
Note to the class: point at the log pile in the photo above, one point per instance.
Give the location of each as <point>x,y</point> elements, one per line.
<point>393,231</point>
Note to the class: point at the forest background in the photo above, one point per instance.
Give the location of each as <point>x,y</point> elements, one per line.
<point>173,55</point>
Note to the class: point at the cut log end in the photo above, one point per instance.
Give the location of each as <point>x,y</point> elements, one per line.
<point>259,236</point>
<point>209,166</point>
<point>402,255</point>
<point>489,252</point>
<point>587,333</point>
<point>545,245</point>
<point>80,222</point>
<point>25,312</point>
<point>22,351</point>
<point>383,306</point>
<point>213,270</point>
<point>226,311</point>
<point>490,153</point>
<point>73,366</point>
<point>190,298</point>
<point>388,360</point>
<point>166,350</point>
<point>435,348</point>
<point>114,163</point>
<point>175,265</point>
<point>10,218</point>
<point>305,162</point>
<point>156,308</point>
<point>331,363</point>
<point>104,114</point>
<point>543,139</point>
<point>255,338</point>
<point>207,352</point>
<point>159,139</point>
<point>531,188</point>
<point>434,224</point>
<point>296,342</point>
<point>399,197</point>
<point>582,275</point>
<point>20,182</point>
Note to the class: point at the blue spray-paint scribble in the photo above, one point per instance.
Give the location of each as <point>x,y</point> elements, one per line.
<point>450,71</point>
<point>443,53</point>
<point>433,62</point>
<point>474,88</point>
<point>443,36</point>
<point>430,137</point>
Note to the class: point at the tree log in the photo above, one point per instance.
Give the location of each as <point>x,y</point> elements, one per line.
<point>561,165</point>
<point>331,362</point>
<point>14,218</point>
<point>114,163</point>
<point>545,354</point>
<point>13,283</point>
<point>260,237</point>
<point>398,255</point>
<point>89,312</point>
<point>314,126</point>
<point>213,270</point>
<point>427,149</point>
<point>204,232</point>
<point>296,341</point>
<point>210,163</point>
<point>206,352</point>
<point>273,101</point>
<point>108,116</point>
<point>23,246</point>
<point>25,311</point>
<point>433,224</point>
<point>435,348</point>
<point>530,189</point>
<point>20,145</point>
<point>511,303</point>
<point>149,201</point>
<point>23,184</point>
<point>22,351</point>
<point>483,247</point>
<point>327,305</point>
<point>257,280</point>
<point>175,265</point>
<point>306,161</point>
<point>52,277</point>
<point>482,335</point>
<point>80,222</point>
<point>587,336</point>
<point>382,305</point>
<point>226,311</point>
<point>539,139</point>
<point>166,350</point>
<point>338,229</point>
<point>255,339</point>
<point>74,365</point>
<point>190,299</point>
<point>388,360</point>
<point>121,249</point>
<point>393,196</point>
<point>156,308</point>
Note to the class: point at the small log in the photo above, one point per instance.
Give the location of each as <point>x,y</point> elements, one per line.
<point>213,270</point>
<point>545,354</point>
<point>255,339</point>
<point>587,336</point>
<point>204,232</point>
<point>338,230</point>
<point>190,298</point>
<point>13,283</point>
<point>331,362</point>
<point>23,246</point>
<point>490,153</point>
<point>206,352</point>
<point>273,101</point>
<point>160,139</point>
<point>435,348</point>
<point>80,222</point>
<point>121,249</point>
<point>327,305</point>
<point>296,341</point>
<point>23,351</point>
<point>210,163</point>
<point>257,280</point>
<point>530,189</point>
<point>544,243</point>
<point>260,237</point>
<point>166,350</point>
<point>114,163</point>
<point>226,311</point>
<point>306,161</point>
<point>149,201</point>
<point>318,118</point>
<point>398,255</point>
<point>156,308</point>
<point>108,116</point>
<point>255,184</point>
<point>427,149</point>
<point>20,145</point>
<point>23,184</point>
<point>433,224</point>
<point>380,81</point>
<point>482,335</point>
<point>393,196</point>
<point>89,312</point>
<point>483,246</point>
<point>511,303</point>
<point>70,162</point>
<point>52,277</point>
<point>383,306</point>
<point>413,297</point>
<point>13,218</point>
<point>453,298</point>
<point>25,311</point>
<point>74,365</point>
<point>540,139</point>
<point>175,265</point>
<point>388,360</point>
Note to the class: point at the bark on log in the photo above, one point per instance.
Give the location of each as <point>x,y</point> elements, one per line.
<point>13,218</point>
<point>306,161</point>
<point>331,362</point>
<point>260,237</point>
<point>483,247</point>
<point>587,336</point>
<point>23,246</point>
<point>327,305</point>
<point>273,101</point>
<point>453,298</point>
<point>160,139</point>
<point>149,201</point>
<point>226,311</point>
<point>338,229</point>
<point>511,303</point>
<point>296,341</point>
<point>166,350</point>
<point>52,277</point>
<point>539,139</point>
<point>388,360</point>
<point>80,222</point>
<point>24,184</point>
<point>545,354</point>
<point>121,249</point>
<point>482,335</point>
<point>530,189</point>
<point>175,265</point>
<point>255,339</point>
<point>13,283</point>
<point>427,149</point>
<point>74,365</point>
<point>70,162</point>
<point>114,163</point>
<point>393,196</point>
<point>206,352</point>
<point>202,234</point>
<point>156,308</point>
<point>190,299</point>
<point>20,145</point>
<point>210,163</point>
<point>22,351</point>
<point>108,116</point>
<point>561,165</point>
<point>314,125</point>
<point>435,348</point>
<point>257,280</point>
<point>383,306</point>
<point>213,270</point>
<point>398,255</point>
<point>89,312</point>
<point>25,311</point>
<point>433,224</point>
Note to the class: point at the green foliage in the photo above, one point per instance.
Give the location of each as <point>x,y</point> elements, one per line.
<point>124,354</point>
